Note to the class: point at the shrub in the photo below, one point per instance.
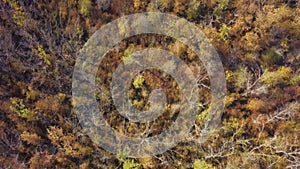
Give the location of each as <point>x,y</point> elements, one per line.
<point>85,7</point>
<point>222,6</point>
<point>18,107</point>
<point>272,57</point>
<point>200,164</point>
<point>238,77</point>
<point>274,78</point>
<point>193,10</point>
<point>138,82</point>
<point>224,33</point>
<point>31,138</point>
<point>295,80</point>
<point>18,15</point>
<point>41,53</point>
<point>131,164</point>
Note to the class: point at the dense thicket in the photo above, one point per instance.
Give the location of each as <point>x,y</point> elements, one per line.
<point>258,42</point>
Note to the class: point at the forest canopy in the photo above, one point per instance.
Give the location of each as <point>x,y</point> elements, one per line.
<point>258,43</point>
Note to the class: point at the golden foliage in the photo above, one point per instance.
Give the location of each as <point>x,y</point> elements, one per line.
<point>40,160</point>
<point>257,42</point>
<point>31,138</point>
<point>256,105</point>
<point>177,48</point>
<point>67,142</point>
<point>85,7</point>
<point>279,76</point>
<point>200,164</point>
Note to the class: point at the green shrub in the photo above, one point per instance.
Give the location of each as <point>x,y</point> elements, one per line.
<point>18,107</point>
<point>193,10</point>
<point>295,80</point>
<point>274,78</point>
<point>224,33</point>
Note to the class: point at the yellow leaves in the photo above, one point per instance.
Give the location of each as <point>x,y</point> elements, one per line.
<point>54,134</point>
<point>238,77</point>
<point>18,14</point>
<point>79,32</point>
<point>284,43</point>
<point>61,96</point>
<point>152,7</point>
<point>223,33</point>
<point>242,24</point>
<point>229,75</point>
<point>256,105</point>
<point>71,145</point>
<point>138,81</point>
<point>265,19</point>
<point>204,115</point>
<point>229,99</point>
<point>295,26</point>
<point>241,77</point>
<point>123,28</point>
<point>179,7</point>
<point>138,103</point>
<point>232,123</point>
<point>251,42</point>
<point>131,164</point>
<point>127,57</point>
<point>283,13</point>
<point>295,79</point>
<point>288,127</point>
<point>41,53</point>
<point>147,162</point>
<point>234,127</point>
<point>166,4</point>
<point>201,164</point>
<point>31,138</point>
<point>75,149</point>
<point>85,7</point>
<point>272,20</point>
<point>247,36</point>
<point>137,4</point>
<point>84,165</point>
<point>31,94</point>
<point>191,54</point>
<point>279,76</point>
<point>18,107</point>
<point>67,142</point>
